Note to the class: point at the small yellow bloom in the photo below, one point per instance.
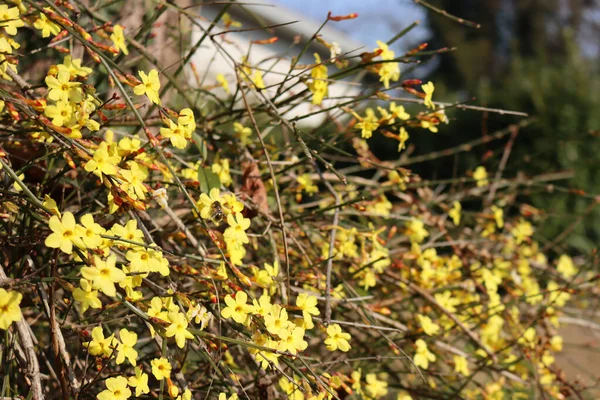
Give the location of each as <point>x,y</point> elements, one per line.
<point>178,328</point>
<point>242,132</point>
<point>367,124</point>
<point>118,39</point>
<point>125,348</point>
<point>46,26</point>
<point>428,88</point>
<point>102,162</point>
<point>10,20</point>
<point>161,368</point>
<point>116,389</point>
<point>237,309</point>
<point>455,212</point>
<point>416,231</point>
<point>423,356</point>
<point>522,231</point>
<point>90,232</point>
<point>104,275</point>
<point>318,85</point>
<point>336,339</point>
<point>481,176</point>
<point>64,233</point>
<point>9,307</point>
<point>429,327</point>
<point>150,86</point>
<point>86,296</point>
<point>61,87</point>
<point>223,82</point>
<point>566,267</point>
<point>376,388</point>
<point>139,382</point>
<point>99,345</point>
<point>461,365</point>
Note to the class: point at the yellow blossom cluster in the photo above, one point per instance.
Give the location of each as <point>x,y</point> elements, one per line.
<point>242,255</point>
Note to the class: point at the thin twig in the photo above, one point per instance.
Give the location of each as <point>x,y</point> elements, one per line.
<point>33,367</point>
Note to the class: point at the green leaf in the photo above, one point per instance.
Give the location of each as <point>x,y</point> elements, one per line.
<point>200,145</point>
<point>208,179</point>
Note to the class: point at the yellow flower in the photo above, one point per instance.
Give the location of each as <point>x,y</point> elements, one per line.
<point>423,356</point>
<point>90,232</point>
<point>10,20</point>
<point>389,71</point>
<point>61,88</point>
<point>428,88</point>
<point>187,395</point>
<point>86,296</point>
<point>176,133</point>
<point>60,113</point>
<point>125,348</point>
<point>566,267</point>
<point>64,233</point>
<point>367,124</point>
<point>104,275</point>
<point>221,168</point>
<point>99,345</point>
<point>205,202</point>
<point>128,232</point>
<point>398,111</point>
<point>9,307</point>
<point>446,300</point>
<point>118,39</point>
<point>223,82</point>
<point>237,228</point>
<point>262,306</point>
<point>336,339</point>
<point>116,389</point>
<point>480,175</point>
<point>46,26</point>
<point>134,180</point>
<point>454,212</point>
<point>223,396</point>
<point>17,186</point>
<point>178,328</point>
<point>292,390</point>
<point>402,138</point>
<point>308,305</point>
<point>139,382</point>
<point>416,231</point>
<point>375,388</point>
<point>292,340</point>
<point>461,365</point>
<point>75,69</point>
<point>556,343</point>
<point>498,216</point>
<point>150,86</point>
<point>242,132</point>
<point>237,309</point>
<point>522,231</point>
<point>276,320</point>
<point>429,327</point>
<point>318,84</point>
<point>102,162</point>
<point>161,368</point>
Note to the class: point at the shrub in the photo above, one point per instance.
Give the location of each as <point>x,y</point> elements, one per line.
<point>160,240</point>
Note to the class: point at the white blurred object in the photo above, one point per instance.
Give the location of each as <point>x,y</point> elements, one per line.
<point>274,60</point>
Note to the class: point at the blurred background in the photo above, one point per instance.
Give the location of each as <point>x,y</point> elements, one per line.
<point>535,56</point>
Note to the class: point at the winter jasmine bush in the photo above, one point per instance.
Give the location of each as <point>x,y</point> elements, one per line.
<point>157,244</point>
